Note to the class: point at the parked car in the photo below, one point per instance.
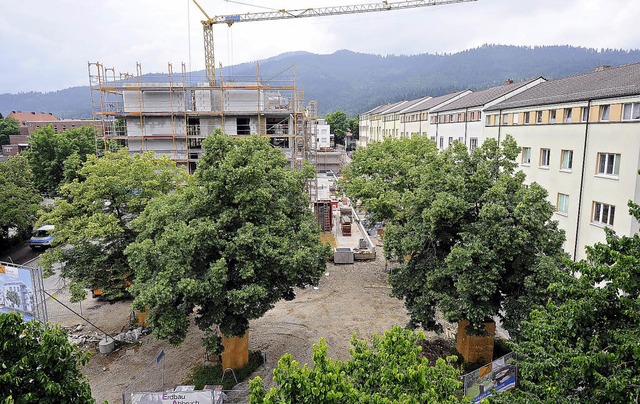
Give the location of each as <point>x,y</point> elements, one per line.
<point>41,237</point>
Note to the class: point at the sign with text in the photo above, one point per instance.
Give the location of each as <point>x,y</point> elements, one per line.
<point>173,397</point>
<point>16,291</point>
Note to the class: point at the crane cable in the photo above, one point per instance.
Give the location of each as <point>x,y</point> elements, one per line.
<point>251,5</point>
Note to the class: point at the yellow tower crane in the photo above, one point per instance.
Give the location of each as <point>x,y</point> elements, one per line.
<point>301,13</point>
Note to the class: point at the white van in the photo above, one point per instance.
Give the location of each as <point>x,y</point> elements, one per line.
<point>41,237</point>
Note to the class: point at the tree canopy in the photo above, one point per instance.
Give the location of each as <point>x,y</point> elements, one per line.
<point>18,199</point>
<point>8,127</point>
<point>389,370</point>
<point>339,124</point>
<point>230,246</point>
<point>39,365</point>
<point>54,158</point>
<point>582,347</point>
<point>474,240</point>
<point>92,217</point>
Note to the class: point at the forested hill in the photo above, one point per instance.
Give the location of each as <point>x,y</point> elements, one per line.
<point>356,82</point>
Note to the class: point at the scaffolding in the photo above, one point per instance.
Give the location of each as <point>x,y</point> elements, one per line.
<point>170,114</point>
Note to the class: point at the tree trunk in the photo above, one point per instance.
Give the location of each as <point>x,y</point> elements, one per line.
<point>236,351</point>
<point>476,348</point>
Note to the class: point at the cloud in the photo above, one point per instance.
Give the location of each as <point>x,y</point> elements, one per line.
<point>46,44</point>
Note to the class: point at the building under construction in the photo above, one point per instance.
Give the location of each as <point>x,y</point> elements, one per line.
<point>172,114</point>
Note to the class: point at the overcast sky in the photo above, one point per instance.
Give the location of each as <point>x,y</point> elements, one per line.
<point>45,44</point>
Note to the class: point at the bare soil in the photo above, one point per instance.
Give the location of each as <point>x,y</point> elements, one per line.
<point>350,299</point>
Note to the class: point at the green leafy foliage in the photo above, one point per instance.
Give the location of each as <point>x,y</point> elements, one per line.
<point>475,241</point>
<point>212,374</point>
<point>390,369</point>
<point>8,127</point>
<point>583,346</point>
<point>339,124</point>
<point>230,246</point>
<point>54,158</point>
<point>18,200</point>
<point>39,365</point>
<point>92,219</point>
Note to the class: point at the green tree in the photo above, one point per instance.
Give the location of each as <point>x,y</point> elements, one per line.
<point>8,127</point>
<point>475,242</point>
<point>39,365</point>
<point>92,219</point>
<point>14,298</point>
<point>383,172</point>
<point>583,346</point>
<point>53,156</point>
<point>389,370</point>
<point>339,124</point>
<point>18,200</point>
<point>230,246</point>
<point>354,127</point>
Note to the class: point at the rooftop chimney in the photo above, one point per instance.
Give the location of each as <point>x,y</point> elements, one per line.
<point>508,81</point>
<point>603,67</point>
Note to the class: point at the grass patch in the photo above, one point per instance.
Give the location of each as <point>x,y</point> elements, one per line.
<point>212,374</point>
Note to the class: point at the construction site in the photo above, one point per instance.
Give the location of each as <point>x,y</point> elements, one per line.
<point>171,114</point>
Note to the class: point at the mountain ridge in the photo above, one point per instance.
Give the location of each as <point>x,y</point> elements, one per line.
<point>356,82</point>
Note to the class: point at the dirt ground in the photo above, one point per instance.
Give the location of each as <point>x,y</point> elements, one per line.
<point>349,299</point>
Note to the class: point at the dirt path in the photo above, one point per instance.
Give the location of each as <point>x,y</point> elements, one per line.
<point>349,299</point>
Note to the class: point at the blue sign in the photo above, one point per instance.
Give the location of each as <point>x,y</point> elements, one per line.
<point>16,291</point>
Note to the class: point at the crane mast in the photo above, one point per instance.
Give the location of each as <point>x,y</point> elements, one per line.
<point>300,13</point>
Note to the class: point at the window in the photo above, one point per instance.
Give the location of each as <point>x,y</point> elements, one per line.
<point>552,116</point>
<point>473,143</point>
<point>515,118</point>
<point>505,119</point>
<point>566,162</point>
<point>527,117</point>
<point>539,117</point>
<point>450,141</point>
<point>567,115</point>
<point>545,156</point>
<point>631,111</point>
<point>526,155</point>
<point>603,213</point>
<point>488,119</point>
<point>585,114</point>
<point>461,139</point>
<point>433,138</point>
<point>608,164</point>
<point>242,126</point>
<point>604,113</point>
<point>441,142</point>
<point>562,204</point>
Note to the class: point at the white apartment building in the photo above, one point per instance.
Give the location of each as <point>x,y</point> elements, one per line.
<point>580,139</point>
<point>371,124</point>
<point>414,120</point>
<point>461,120</point>
<point>323,137</point>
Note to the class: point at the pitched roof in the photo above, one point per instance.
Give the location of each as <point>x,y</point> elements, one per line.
<point>483,97</point>
<point>22,117</point>
<point>609,82</point>
<point>385,108</point>
<point>433,102</point>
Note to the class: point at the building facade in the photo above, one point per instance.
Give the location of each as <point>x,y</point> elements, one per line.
<point>29,122</point>
<point>580,140</point>
<point>173,117</point>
